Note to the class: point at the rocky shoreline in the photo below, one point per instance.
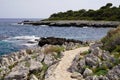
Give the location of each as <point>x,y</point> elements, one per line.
<point>37,63</point>
<point>77,23</point>
<point>96,64</point>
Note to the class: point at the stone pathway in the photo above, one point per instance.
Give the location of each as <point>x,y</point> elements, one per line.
<point>61,72</point>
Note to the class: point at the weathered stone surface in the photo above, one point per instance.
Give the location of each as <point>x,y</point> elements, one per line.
<point>103,78</point>
<point>49,59</point>
<point>50,71</point>
<point>33,77</point>
<point>87,72</point>
<point>77,76</point>
<point>114,74</point>
<point>91,60</point>
<point>40,57</point>
<point>35,66</point>
<point>56,41</point>
<point>92,78</point>
<point>18,73</point>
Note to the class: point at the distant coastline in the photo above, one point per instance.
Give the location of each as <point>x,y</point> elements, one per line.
<point>76,23</point>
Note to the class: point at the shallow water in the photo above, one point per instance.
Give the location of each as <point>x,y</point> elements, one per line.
<point>14,37</point>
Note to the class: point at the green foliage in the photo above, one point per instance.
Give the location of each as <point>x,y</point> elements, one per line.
<point>1,70</point>
<point>53,48</point>
<point>27,64</point>
<point>111,41</point>
<point>117,49</point>
<point>106,12</point>
<point>12,66</point>
<point>101,72</point>
<point>58,55</point>
<point>116,54</point>
<point>116,61</point>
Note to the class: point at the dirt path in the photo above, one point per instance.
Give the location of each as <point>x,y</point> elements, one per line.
<point>61,73</point>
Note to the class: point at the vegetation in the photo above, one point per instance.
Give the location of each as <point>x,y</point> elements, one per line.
<point>53,48</point>
<point>107,13</point>
<point>111,42</point>
<point>101,72</point>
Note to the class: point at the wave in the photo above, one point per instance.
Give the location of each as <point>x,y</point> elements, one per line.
<point>23,40</point>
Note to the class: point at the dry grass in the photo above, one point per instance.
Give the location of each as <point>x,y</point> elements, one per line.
<point>52,48</point>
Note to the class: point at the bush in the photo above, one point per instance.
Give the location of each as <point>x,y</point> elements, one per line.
<point>111,41</point>
<point>52,48</point>
<point>101,72</point>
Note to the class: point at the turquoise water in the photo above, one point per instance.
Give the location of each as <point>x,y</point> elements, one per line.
<point>14,37</point>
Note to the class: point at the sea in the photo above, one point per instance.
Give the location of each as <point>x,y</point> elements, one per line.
<point>14,37</point>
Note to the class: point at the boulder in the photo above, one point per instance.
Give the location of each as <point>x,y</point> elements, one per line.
<point>35,66</point>
<point>50,71</point>
<point>56,41</point>
<point>87,72</point>
<point>77,76</point>
<point>40,57</point>
<point>114,74</point>
<point>91,60</point>
<point>49,59</point>
<point>19,73</point>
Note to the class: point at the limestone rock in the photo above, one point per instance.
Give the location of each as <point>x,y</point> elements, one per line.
<point>19,73</point>
<point>49,59</point>
<point>87,72</point>
<point>35,66</point>
<point>33,77</point>
<point>77,76</point>
<point>114,74</point>
<point>91,60</point>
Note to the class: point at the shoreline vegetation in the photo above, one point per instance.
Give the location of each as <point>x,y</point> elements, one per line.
<point>106,16</point>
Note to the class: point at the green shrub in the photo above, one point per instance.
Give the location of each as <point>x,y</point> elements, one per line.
<point>27,64</point>
<point>111,41</point>
<point>12,66</point>
<point>117,48</point>
<point>1,70</point>
<point>52,48</point>
<point>101,72</point>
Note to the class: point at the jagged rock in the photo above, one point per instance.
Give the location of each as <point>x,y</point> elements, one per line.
<point>77,76</point>
<point>92,78</point>
<point>106,56</point>
<point>114,74</point>
<point>50,71</point>
<point>33,77</point>
<point>77,64</point>
<point>91,60</point>
<point>35,66</point>
<point>81,65</point>
<point>96,51</point>
<point>40,57</point>
<point>49,59</point>
<point>18,73</point>
<point>87,72</point>
<point>5,61</point>
<point>56,41</point>
<point>94,45</point>
<point>102,77</point>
